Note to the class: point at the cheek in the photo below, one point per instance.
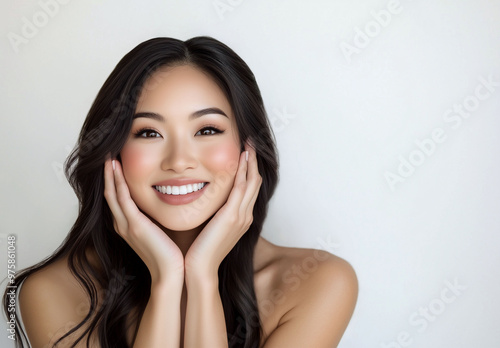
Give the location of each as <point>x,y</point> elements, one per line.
<point>222,158</point>
<point>135,163</point>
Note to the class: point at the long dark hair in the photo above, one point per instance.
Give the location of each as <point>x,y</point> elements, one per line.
<point>104,131</point>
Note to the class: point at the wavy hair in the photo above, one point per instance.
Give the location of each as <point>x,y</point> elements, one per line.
<point>104,131</point>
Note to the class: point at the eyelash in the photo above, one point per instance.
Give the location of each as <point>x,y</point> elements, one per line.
<point>141,131</point>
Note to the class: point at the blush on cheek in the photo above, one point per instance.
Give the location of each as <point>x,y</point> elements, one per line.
<point>223,158</point>
<point>135,162</point>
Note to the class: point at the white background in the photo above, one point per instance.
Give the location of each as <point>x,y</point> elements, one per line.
<point>342,120</point>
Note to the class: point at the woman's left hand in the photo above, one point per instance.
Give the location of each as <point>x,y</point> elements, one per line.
<point>229,224</point>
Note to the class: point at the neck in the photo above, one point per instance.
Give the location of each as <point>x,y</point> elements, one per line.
<point>184,239</point>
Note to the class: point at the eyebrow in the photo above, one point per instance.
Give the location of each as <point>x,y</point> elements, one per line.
<point>194,115</point>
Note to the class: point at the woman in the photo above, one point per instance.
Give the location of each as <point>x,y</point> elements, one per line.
<point>174,169</point>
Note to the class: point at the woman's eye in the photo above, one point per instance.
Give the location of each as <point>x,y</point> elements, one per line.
<point>147,133</point>
<point>150,133</point>
<point>209,131</point>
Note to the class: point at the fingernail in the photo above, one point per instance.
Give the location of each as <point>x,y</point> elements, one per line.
<point>113,162</point>
<point>246,155</point>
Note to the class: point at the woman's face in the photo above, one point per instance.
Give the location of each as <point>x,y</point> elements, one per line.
<point>183,134</point>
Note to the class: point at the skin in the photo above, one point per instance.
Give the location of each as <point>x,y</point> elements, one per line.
<point>177,150</point>
<point>305,297</point>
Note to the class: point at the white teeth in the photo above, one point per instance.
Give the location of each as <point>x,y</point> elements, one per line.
<point>180,190</point>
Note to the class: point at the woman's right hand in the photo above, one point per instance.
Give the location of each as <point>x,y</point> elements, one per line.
<point>161,255</point>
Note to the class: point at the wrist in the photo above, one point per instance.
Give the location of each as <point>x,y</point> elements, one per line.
<point>167,283</point>
<point>202,277</point>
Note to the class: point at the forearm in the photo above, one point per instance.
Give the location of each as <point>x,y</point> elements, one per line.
<point>205,325</point>
<point>161,322</point>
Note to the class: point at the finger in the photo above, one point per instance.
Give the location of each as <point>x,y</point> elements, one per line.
<point>110,195</point>
<point>123,194</point>
<point>239,184</point>
<point>253,168</point>
<point>254,181</point>
<point>251,204</point>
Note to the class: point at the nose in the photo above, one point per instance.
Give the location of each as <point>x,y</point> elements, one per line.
<point>178,156</point>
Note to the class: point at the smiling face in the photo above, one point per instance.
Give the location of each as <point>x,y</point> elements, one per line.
<point>183,129</point>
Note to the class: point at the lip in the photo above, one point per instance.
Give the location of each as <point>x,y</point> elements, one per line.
<point>179,182</point>
<point>180,199</point>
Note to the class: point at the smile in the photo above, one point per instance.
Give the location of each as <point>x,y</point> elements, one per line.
<point>180,190</point>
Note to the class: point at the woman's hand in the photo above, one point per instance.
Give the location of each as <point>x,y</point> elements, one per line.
<point>161,255</point>
<point>229,224</point>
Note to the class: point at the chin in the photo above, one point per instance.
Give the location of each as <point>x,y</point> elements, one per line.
<point>180,225</point>
<point>184,219</point>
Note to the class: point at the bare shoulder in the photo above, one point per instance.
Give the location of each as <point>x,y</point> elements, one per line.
<point>313,296</point>
<point>52,302</point>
